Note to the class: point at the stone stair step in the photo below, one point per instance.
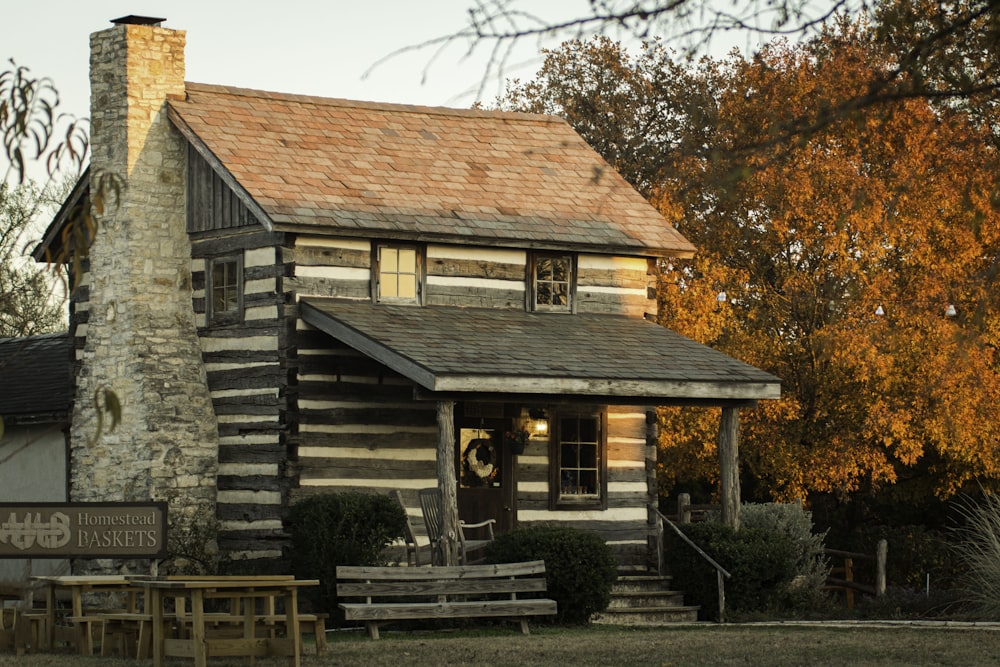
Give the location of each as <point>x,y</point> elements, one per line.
<point>641,599</point>
<point>641,583</point>
<point>648,616</point>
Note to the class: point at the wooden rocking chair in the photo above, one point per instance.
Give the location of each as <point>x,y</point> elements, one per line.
<point>412,546</point>
<point>430,505</point>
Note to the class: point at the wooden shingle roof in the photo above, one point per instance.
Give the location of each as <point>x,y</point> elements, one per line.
<point>604,357</point>
<point>331,166</point>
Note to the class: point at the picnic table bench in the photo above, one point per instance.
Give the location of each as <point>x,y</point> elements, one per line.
<point>463,591</point>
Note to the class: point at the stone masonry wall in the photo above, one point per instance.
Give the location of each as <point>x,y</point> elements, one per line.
<point>141,339</point>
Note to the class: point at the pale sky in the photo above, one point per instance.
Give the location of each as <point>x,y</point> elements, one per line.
<point>327,48</point>
<point>311,47</point>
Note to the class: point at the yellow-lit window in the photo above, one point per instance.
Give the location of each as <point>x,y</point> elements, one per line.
<point>398,274</point>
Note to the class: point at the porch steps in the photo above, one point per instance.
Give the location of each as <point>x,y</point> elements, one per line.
<point>641,599</point>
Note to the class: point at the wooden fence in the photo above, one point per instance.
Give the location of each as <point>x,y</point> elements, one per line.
<point>841,578</point>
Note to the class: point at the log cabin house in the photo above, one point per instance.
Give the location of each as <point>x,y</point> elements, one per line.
<point>295,295</point>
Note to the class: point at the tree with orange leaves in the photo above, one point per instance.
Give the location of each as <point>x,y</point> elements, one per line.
<point>858,261</point>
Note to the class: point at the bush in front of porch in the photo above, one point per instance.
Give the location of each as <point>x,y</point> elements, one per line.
<point>579,566</point>
<point>332,529</point>
<point>775,559</point>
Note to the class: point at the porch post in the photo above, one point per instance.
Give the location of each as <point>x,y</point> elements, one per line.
<point>446,481</point>
<point>729,466</point>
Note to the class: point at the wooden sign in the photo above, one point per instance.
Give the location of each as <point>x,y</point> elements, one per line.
<point>83,530</point>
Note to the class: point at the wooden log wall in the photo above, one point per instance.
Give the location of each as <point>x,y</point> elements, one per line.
<point>300,413</point>
<point>247,366</point>
<point>626,524</point>
<point>359,428</point>
<point>615,286</point>
<point>473,277</point>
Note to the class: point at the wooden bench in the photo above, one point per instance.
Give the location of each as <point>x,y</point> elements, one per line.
<point>463,591</point>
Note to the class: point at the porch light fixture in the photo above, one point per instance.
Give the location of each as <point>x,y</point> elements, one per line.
<point>722,297</point>
<point>880,311</point>
<point>538,423</point>
<point>950,311</point>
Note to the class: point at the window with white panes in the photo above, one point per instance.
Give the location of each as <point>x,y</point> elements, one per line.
<point>552,282</point>
<point>579,461</point>
<point>224,289</point>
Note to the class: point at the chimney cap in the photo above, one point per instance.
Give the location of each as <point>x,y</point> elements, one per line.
<point>131,19</point>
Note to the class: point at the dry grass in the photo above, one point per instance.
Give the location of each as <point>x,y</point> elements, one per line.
<point>687,646</point>
<point>978,546</point>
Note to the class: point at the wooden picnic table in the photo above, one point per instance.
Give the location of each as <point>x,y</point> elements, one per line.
<point>81,618</point>
<point>241,594</point>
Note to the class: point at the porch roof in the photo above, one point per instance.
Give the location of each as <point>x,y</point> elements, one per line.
<point>609,358</point>
<point>35,375</point>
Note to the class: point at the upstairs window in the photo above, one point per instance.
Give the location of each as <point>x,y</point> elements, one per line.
<point>579,459</point>
<point>399,274</point>
<point>552,282</point>
<point>224,289</point>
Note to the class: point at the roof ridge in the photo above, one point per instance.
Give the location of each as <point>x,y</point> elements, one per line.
<point>394,107</point>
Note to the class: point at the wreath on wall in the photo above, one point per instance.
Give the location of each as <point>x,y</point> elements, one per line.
<point>479,462</point>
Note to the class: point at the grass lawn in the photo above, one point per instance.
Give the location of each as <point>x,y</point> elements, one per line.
<point>696,646</point>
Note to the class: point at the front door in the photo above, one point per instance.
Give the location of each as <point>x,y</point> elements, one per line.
<point>485,474</point>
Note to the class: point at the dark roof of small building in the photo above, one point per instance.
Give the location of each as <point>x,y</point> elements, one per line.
<point>461,350</point>
<point>331,166</point>
<point>35,378</point>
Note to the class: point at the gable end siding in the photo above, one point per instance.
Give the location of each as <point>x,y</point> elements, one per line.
<point>211,204</point>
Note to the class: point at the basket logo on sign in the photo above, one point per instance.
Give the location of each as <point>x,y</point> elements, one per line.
<point>51,534</point>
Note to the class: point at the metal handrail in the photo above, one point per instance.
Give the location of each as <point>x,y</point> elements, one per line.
<point>721,573</point>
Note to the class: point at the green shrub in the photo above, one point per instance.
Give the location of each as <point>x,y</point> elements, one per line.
<point>794,521</point>
<point>804,594</point>
<point>334,529</point>
<point>762,563</point>
<point>579,567</point>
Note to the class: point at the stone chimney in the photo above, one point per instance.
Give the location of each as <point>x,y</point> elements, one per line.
<point>141,336</point>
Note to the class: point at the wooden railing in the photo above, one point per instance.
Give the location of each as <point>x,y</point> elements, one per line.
<point>845,582</point>
<point>720,572</point>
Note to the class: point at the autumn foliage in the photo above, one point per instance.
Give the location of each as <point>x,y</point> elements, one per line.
<point>839,241</point>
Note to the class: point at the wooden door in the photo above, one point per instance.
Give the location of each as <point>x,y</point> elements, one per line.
<point>485,474</point>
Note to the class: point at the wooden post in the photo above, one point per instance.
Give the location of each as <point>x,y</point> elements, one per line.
<point>652,488</point>
<point>881,555</point>
<point>849,578</point>
<point>683,508</point>
<point>721,583</point>
<point>446,481</point>
<point>729,466</point>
